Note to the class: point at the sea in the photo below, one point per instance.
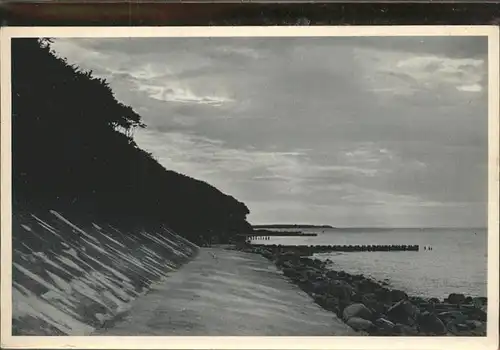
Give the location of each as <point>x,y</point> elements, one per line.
<point>457,262</point>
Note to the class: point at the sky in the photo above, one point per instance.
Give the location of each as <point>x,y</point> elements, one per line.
<point>345,131</point>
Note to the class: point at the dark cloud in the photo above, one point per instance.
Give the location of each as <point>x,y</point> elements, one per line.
<point>451,46</point>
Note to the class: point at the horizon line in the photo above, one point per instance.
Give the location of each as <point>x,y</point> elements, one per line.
<point>381,227</point>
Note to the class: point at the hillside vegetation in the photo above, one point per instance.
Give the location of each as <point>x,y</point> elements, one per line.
<point>73,152</point>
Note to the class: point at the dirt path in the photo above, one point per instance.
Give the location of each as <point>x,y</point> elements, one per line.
<point>227,293</point>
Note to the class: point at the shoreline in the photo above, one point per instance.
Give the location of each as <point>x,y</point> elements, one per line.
<point>372,307</point>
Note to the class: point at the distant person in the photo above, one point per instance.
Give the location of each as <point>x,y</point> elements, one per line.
<point>214,256</point>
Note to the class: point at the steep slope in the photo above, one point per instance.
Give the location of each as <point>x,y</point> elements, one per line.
<point>96,220</point>
<point>70,279</point>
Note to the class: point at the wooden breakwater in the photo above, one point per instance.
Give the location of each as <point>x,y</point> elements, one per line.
<point>277,234</point>
<point>309,249</point>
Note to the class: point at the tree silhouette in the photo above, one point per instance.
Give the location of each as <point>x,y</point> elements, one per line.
<point>73,151</point>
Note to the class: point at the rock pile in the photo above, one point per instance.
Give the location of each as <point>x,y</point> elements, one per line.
<point>371,307</point>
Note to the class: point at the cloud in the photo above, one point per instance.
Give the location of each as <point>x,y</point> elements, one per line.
<point>181,95</point>
<point>405,74</point>
<point>470,88</point>
<point>342,131</point>
<point>243,52</point>
<point>291,175</point>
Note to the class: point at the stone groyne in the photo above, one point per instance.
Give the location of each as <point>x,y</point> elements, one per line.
<point>371,307</point>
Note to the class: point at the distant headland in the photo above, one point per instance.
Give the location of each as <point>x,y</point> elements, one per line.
<point>288,226</point>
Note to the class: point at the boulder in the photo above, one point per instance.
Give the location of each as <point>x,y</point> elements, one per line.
<point>417,300</point>
<point>341,275</point>
<point>318,263</point>
<point>430,323</point>
<point>322,278</point>
<point>480,301</point>
<point>382,294</point>
<point>343,304</point>
<point>455,322</point>
<point>290,272</point>
<point>474,324</point>
<point>384,324</point>
<point>288,264</point>
<point>458,328</point>
<point>331,304</point>
<point>360,324</point>
<point>268,254</point>
<point>403,312</point>
<point>398,295</point>
<point>320,287</point>
<point>369,299</point>
<point>313,274</point>
<point>349,279</point>
<point>456,298</point>
<point>455,316</point>
<point>367,286</point>
<point>318,298</point>
<point>305,262</point>
<point>357,310</point>
<point>289,256</point>
<point>462,327</point>
<point>402,329</point>
<point>380,308</point>
<point>341,289</point>
<point>477,332</point>
<point>331,274</point>
<point>357,298</point>
<point>477,314</point>
<point>303,284</point>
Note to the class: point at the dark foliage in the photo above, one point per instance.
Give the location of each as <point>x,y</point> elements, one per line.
<point>73,151</point>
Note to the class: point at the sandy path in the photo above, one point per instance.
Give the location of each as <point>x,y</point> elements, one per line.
<point>234,294</point>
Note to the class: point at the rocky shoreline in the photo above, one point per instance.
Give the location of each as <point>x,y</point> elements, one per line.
<point>371,307</point>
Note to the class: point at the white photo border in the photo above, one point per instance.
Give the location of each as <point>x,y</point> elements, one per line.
<point>333,342</point>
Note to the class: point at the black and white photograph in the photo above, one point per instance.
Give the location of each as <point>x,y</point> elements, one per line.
<point>258,182</point>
